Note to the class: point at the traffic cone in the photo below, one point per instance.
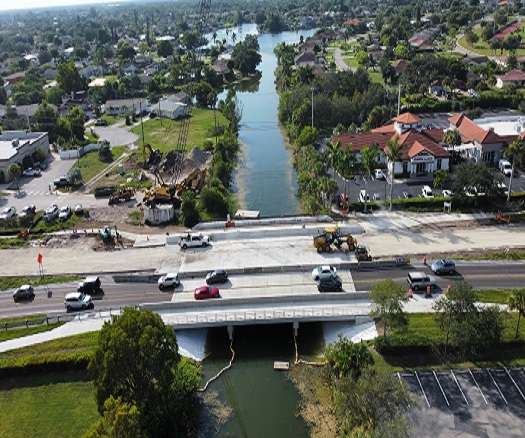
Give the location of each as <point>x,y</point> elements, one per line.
<point>428,292</point>
<point>410,293</point>
<point>425,260</point>
<point>147,238</point>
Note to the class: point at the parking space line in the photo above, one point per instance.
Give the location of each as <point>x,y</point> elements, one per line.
<point>497,386</point>
<point>403,385</point>
<point>476,382</point>
<point>421,386</point>
<point>459,387</point>
<point>440,387</point>
<point>515,384</point>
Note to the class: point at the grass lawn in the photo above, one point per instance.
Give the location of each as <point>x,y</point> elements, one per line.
<point>163,134</point>
<point>90,165</point>
<point>493,296</point>
<point>483,48</point>
<point>50,405</point>
<point>6,335</point>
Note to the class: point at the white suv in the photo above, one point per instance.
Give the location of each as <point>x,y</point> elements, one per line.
<point>169,280</point>
<point>426,192</point>
<point>78,301</point>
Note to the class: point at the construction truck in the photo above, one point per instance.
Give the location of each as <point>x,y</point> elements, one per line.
<point>121,195</point>
<point>362,254</point>
<point>333,236</point>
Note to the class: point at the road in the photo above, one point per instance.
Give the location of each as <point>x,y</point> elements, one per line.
<point>482,275</point>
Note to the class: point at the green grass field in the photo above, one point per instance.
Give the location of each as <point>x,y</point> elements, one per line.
<point>51,405</point>
<point>163,134</point>
<point>90,165</point>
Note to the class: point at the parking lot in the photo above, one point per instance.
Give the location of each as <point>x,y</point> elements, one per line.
<point>472,402</point>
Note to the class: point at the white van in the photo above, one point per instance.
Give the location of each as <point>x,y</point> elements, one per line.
<point>363,196</point>
<point>426,192</point>
<point>505,167</point>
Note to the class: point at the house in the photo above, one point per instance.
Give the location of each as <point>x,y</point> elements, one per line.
<point>421,44</point>
<point>17,145</point>
<point>172,108</point>
<point>305,58</point>
<point>515,76</point>
<point>422,151</point>
<point>92,71</point>
<point>15,77</point>
<point>69,51</point>
<point>116,107</point>
<point>220,66</point>
<point>474,61</point>
<point>151,69</point>
<point>131,70</point>
<point>482,145</point>
<point>400,66</point>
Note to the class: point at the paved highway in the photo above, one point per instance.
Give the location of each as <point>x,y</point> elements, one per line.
<point>481,275</point>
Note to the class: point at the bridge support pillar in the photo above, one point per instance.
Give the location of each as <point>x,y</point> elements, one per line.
<point>230,331</point>
<point>295,327</point>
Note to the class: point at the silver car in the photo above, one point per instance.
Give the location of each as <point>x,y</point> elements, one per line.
<point>78,301</point>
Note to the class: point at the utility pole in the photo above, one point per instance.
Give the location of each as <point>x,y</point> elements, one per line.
<point>312,90</point>
<point>399,99</point>
<point>141,124</point>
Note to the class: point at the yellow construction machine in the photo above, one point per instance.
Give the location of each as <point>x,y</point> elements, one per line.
<point>194,181</point>
<point>333,236</point>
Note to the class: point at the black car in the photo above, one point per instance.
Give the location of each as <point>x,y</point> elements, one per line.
<point>24,292</point>
<point>217,276</point>
<point>330,284</point>
<point>101,122</point>
<point>90,285</point>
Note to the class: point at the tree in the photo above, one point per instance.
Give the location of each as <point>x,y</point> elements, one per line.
<point>203,91</point>
<point>517,302</point>
<point>75,178</point>
<point>516,150</point>
<point>470,329</point>
<point>164,48</point>
<point>346,358</point>
<point>375,404</point>
<point>46,118</point>
<point>440,178</point>
<point>189,210</point>
<point>246,55</point>
<point>393,152</point>
<point>452,138</point>
<point>387,303</point>
<point>68,77</point>
<point>369,156</point>
<point>137,360</point>
<point>125,52</point>
<point>14,171</point>
<point>333,155</point>
<point>104,152</point>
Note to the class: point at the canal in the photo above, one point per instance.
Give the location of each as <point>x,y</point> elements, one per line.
<point>264,179</point>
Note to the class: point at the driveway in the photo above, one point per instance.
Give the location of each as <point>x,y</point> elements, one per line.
<point>117,134</point>
<point>339,61</point>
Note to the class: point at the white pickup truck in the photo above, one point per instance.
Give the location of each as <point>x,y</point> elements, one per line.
<point>194,240</point>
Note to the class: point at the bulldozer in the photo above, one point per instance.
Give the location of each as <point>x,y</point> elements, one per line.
<point>362,254</point>
<point>333,236</point>
<point>121,195</point>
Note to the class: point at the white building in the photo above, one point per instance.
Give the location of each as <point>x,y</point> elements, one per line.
<point>16,145</point>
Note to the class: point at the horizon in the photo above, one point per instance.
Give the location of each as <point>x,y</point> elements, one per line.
<point>41,4</point>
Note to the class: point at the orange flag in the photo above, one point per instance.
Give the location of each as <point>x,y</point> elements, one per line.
<point>39,258</point>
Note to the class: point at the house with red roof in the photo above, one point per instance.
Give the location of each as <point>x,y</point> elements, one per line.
<point>515,76</point>
<point>422,151</point>
<point>479,144</point>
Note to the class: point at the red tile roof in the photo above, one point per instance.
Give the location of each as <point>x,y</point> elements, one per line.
<point>513,75</point>
<point>471,132</point>
<point>407,118</point>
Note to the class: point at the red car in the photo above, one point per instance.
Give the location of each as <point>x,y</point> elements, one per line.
<point>203,292</point>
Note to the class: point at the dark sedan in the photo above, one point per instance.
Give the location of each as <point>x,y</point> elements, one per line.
<point>330,284</point>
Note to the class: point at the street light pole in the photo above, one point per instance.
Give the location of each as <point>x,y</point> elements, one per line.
<point>312,90</point>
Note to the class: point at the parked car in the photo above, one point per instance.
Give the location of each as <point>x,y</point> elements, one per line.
<point>65,212</point>
<point>376,197</point>
<point>330,284</point>
<point>379,174</point>
<point>324,271</point>
<point>204,292</point>
<point>90,284</point>
<point>32,172</point>
<point>40,165</point>
<point>24,292</point>
<point>363,195</point>
<point>51,213</point>
<point>443,266</point>
<point>78,209</point>
<point>8,212</point>
<point>426,192</point>
<point>78,301</point>
<point>63,181</point>
<point>217,276</point>
<point>448,193</point>
<point>169,280</point>
<point>407,194</point>
<point>101,122</point>
<point>27,210</point>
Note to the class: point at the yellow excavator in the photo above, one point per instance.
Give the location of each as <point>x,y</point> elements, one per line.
<point>161,192</point>
<point>154,154</point>
<point>194,181</point>
<point>333,236</point>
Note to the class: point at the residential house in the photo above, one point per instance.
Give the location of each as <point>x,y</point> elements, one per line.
<point>171,108</point>
<point>116,107</point>
<point>220,66</point>
<point>474,61</point>
<point>422,151</point>
<point>15,77</point>
<point>304,59</point>
<point>400,66</point>
<point>131,69</point>
<point>79,99</point>
<point>151,69</point>
<point>515,76</point>
<point>92,71</point>
<point>50,74</point>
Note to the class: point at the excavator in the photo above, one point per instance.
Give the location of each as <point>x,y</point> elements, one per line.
<point>161,192</point>
<point>333,236</point>
<point>194,181</point>
<point>106,235</point>
<point>154,154</point>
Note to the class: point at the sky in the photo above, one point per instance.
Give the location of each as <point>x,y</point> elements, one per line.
<point>7,5</point>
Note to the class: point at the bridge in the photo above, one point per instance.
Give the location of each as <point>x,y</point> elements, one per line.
<point>294,309</point>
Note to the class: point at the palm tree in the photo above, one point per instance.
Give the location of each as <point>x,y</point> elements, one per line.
<point>234,37</point>
<point>517,302</point>
<point>368,164</point>
<point>345,170</point>
<point>516,150</point>
<point>214,37</point>
<point>14,171</point>
<point>333,155</point>
<point>452,138</point>
<point>394,152</point>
